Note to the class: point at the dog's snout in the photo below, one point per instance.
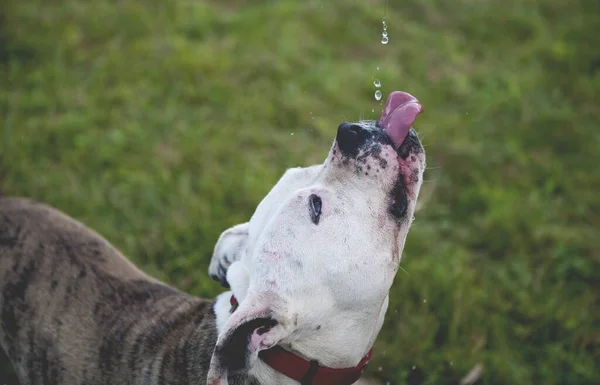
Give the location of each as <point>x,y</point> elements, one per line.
<point>350,137</point>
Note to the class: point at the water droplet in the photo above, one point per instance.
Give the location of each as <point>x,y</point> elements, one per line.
<point>372,110</point>
<point>385,40</point>
<point>424,300</point>
<point>378,95</point>
<point>384,24</point>
<point>414,367</point>
<point>292,133</point>
<point>380,368</point>
<point>377,83</point>
<point>377,68</point>
<point>384,33</point>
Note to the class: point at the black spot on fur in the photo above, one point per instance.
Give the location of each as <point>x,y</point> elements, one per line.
<point>411,145</point>
<point>375,152</point>
<point>414,176</point>
<point>233,352</point>
<point>399,200</point>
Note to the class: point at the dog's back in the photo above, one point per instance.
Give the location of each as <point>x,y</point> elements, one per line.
<point>73,310</point>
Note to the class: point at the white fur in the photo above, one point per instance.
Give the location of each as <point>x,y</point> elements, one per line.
<point>327,284</point>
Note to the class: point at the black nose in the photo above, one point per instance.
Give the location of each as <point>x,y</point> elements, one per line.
<point>350,137</point>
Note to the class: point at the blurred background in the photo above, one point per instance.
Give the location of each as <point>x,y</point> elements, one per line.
<point>161,123</point>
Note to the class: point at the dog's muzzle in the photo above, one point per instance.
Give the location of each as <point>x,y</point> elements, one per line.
<point>394,127</point>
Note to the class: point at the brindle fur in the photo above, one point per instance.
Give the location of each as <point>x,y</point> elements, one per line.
<point>74,310</point>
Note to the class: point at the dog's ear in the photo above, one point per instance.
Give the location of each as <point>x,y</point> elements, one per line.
<point>229,248</point>
<point>259,323</point>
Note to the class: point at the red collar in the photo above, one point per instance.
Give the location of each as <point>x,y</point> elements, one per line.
<point>304,371</point>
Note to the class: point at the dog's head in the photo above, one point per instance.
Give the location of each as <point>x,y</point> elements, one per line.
<point>324,245</point>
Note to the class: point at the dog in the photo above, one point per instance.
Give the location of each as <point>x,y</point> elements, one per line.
<point>309,274</point>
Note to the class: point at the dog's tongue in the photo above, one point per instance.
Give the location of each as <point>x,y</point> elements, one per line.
<point>401,110</point>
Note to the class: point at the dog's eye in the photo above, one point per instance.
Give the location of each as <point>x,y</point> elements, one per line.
<point>315,205</point>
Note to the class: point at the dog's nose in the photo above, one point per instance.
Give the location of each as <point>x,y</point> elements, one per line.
<point>350,137</point>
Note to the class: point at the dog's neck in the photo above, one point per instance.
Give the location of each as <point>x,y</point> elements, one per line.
<point>339,343</point>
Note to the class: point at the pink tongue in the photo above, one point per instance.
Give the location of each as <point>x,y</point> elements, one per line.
<point>401,110</point>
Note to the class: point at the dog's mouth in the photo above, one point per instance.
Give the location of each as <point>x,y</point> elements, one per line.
<point>393,128</point>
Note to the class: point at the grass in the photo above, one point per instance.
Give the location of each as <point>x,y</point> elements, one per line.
<point>160,124</point>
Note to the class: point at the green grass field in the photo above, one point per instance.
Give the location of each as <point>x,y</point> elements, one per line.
<point>160,124</point>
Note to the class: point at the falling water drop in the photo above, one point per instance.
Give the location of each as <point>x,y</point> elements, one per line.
<point>378,95</point>
<point>384,34</point>
<point>377,83</point>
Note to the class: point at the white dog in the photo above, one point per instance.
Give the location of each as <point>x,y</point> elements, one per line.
<point>310,276</point>
<point>313,267</point>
